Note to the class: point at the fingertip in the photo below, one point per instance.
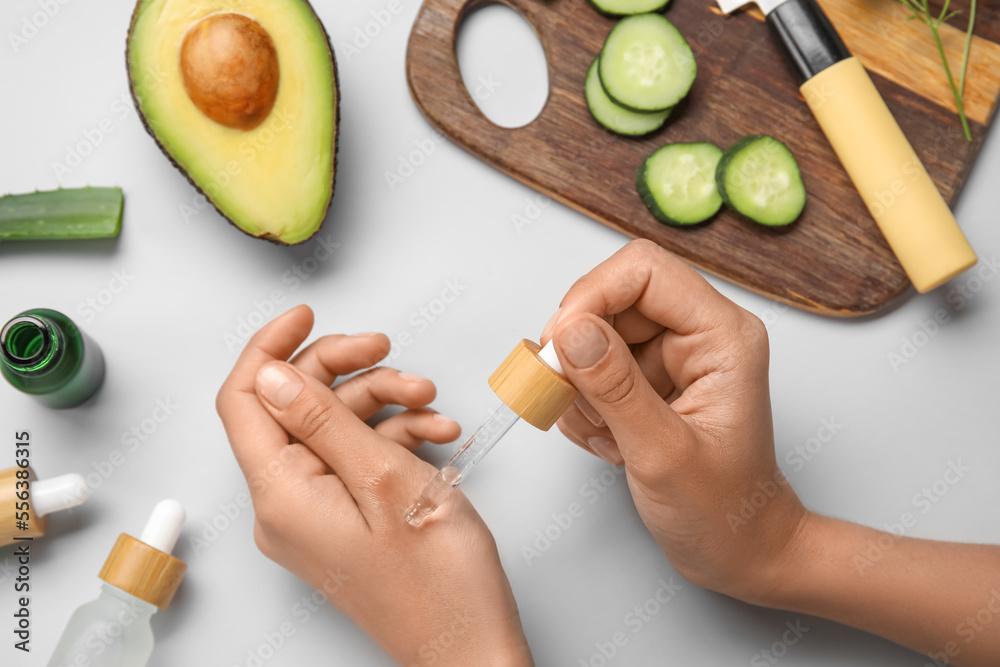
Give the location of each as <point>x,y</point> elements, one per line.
<point>573,437</point>
<point>302,310</point>
<point>421,390</point>
<point>607,449</point>
<point>411,428</point>
<point>282,335</point>
<point>588,411</point>
<point>449,428</point>
<point>381,343</point>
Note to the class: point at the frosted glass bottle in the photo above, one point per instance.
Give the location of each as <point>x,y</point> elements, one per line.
<point>111,630</point>
<point>139,576</point>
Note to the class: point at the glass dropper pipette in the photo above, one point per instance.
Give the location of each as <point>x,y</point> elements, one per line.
<point>531,386</point>
<point>462,463</point>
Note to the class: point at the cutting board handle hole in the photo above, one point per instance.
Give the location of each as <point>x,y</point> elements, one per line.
<point>503,64</point>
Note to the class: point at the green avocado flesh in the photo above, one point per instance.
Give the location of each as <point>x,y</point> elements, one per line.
<point>274,179</point>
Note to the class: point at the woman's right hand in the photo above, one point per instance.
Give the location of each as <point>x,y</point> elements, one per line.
<point>673,379</point>
<point>674,383</point>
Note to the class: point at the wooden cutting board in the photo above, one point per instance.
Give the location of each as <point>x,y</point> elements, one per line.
<point>833,260</point>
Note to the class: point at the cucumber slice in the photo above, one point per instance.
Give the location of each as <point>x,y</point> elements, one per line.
<point>759,178</point>
<point>616,118</point>
<point>83,213</point>
<point>615,8</point>
<point>677,183</point>
<point>645,64</point>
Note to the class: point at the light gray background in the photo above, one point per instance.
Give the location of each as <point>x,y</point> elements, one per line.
<point>191,282</point>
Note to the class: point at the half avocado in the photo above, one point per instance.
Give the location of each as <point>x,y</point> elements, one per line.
<point>242,97</point>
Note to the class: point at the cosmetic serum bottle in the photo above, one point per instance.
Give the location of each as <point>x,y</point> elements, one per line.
<point>43,353</point>
<point>140,576</point>
<point>26,502</point>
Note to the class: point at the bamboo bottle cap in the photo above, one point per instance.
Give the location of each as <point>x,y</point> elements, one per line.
<point>144,567</point>
<point>530,387</point>
<point>8,509</point>
<point>140,570</point>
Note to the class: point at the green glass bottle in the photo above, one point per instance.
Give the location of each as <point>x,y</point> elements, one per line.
<point>44,354</point>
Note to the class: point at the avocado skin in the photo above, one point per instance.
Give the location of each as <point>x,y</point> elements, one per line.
<point>163,149</point>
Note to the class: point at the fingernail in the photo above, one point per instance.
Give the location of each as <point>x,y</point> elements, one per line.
<point>368,333</point>
<point>583,343</point>
<point>411,377</point>
<point>588,410</point>
<point>441,418</point>
<point>606,449</point>
<point>279,385</point>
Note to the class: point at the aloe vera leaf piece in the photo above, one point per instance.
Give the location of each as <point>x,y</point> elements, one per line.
<point>81,213</point>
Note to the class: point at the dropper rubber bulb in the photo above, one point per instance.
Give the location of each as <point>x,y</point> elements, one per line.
<point>58,493</point>
<point>164,525</point>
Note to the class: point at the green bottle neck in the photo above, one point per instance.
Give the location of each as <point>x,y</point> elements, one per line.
<point>43,353</point>
<point>30,344</point>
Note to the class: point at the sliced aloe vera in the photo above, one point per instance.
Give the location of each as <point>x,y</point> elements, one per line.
<point>82,213</point>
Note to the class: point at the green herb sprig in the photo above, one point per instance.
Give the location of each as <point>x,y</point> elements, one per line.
<point>920,10</point>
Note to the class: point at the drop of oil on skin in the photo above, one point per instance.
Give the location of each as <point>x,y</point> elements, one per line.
<point>435,493</point>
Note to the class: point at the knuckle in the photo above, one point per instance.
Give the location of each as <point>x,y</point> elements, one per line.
<point>313,419</point>
<point>751,335</point>
<point>578,285</point>
<point>752,328</point>
<point>616,387</point>
<point>222,400</point>
<point>262,539</point>
<point>643,247</point>
<point>380,472</point>
<point>266,513</point>
<point>380,477</point>
<point>691,572</point>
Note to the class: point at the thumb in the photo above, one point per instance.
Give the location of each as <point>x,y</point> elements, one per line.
<point>600,365</point>
<point>313,414</point>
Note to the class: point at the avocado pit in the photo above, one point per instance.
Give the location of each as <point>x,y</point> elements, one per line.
<point>230,69</point>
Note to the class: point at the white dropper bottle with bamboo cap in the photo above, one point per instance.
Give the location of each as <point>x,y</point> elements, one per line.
<point>26,502</point>
<point>140,577</point>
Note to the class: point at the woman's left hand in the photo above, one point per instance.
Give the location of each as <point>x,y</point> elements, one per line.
<point>330,493</point>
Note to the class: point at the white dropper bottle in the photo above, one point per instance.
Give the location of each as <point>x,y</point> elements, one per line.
<point>140,576</point>
<point>23,512</point>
